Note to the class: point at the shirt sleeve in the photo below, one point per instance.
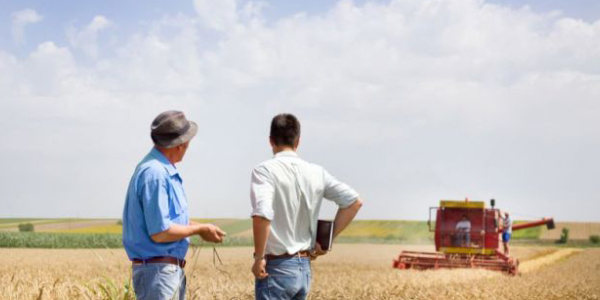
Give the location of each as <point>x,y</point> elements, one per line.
<point>262,192</point>
<point>155,203</point>
<point>338,192</point>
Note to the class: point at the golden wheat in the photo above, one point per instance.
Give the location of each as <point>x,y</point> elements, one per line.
<point>348,272</point>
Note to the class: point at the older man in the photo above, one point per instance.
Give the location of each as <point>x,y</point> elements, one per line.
<point>286,196</point>
<point>156,225</point>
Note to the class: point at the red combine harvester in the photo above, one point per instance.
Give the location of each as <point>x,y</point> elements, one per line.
<point>479,248</point>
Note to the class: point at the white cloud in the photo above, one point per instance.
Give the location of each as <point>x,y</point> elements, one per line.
<point>409,101</point>
<point>217,14</point>
<point>20,19</point>
<point>86,38</point>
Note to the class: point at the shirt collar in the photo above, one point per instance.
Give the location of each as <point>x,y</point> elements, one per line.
<point>164,161</point>
<point>287,153</point>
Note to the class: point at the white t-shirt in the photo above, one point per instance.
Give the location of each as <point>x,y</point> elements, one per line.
<point>289,191</point>
<point>464,226</point>
<point>508,225</point>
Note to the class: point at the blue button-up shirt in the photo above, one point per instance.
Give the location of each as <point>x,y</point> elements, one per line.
<point>155,200</point>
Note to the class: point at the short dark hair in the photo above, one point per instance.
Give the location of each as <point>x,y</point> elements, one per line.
<point>285,130</point>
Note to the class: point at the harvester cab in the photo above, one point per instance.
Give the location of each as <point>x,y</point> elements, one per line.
<point>481,237</point>
<point>466,235</point>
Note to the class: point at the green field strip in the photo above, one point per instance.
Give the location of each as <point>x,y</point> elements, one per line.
<point>532,233</point>
<point>52,240</point>
<point>387,230</point>
<point>231,226</point>
<point>237,227</point>
<point>58,240</point>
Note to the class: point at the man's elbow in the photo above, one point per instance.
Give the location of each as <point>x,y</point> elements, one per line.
<point>160,237</point>
<point>357,204</point>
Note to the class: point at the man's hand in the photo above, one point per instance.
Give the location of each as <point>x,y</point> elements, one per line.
<point>259,268</point>
<point>317,252</point>
<point>211,233</point>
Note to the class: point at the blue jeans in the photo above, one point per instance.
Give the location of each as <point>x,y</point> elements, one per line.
<point>158,281</point>
<point>463,239</point>
<point>289,278</point>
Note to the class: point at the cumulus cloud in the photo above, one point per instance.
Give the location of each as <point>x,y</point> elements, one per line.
<point>217,14</point>
<point>20,19</point>
<point>86,38</point>
<point>409,101</point>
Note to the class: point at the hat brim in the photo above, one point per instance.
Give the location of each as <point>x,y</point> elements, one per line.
<point>188,135</point>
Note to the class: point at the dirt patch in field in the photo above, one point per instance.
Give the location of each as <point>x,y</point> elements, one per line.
<point>72,225</point>
<point>577,231</point>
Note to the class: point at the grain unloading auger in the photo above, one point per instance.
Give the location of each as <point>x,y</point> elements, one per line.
<point>481,249</point>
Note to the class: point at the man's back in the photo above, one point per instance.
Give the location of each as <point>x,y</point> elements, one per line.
<point>286,194</point>
<point>297,189</point>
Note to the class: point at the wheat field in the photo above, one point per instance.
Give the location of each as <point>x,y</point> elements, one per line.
<point>348,272</point>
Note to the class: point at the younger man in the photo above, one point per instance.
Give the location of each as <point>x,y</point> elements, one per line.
<point>286,195</point>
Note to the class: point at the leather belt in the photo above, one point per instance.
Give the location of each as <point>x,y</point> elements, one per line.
<point>304,253</point>
<point>160,259</point>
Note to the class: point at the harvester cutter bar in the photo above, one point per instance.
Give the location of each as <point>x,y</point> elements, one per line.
<point>433,260</point>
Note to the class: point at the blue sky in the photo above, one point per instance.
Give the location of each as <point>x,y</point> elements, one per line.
<point>131,15</point>
<point>408,101</point>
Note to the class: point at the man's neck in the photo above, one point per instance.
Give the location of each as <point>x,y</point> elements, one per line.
<point>170,155</point>
<point>278,149</point>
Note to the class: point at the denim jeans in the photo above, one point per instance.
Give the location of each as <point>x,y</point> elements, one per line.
<point>158,281</point>
<point>462,239</point>
<point>289,278</point>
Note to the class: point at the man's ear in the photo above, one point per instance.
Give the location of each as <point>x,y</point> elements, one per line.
<point>297,143</point>
<point>271,142</point>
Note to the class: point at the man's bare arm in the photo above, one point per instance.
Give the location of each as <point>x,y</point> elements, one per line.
<point>260,228</point>
<point>344,216</point>
<point>176,232</point>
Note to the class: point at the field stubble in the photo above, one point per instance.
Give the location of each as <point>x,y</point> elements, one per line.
<point>348,272</point>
